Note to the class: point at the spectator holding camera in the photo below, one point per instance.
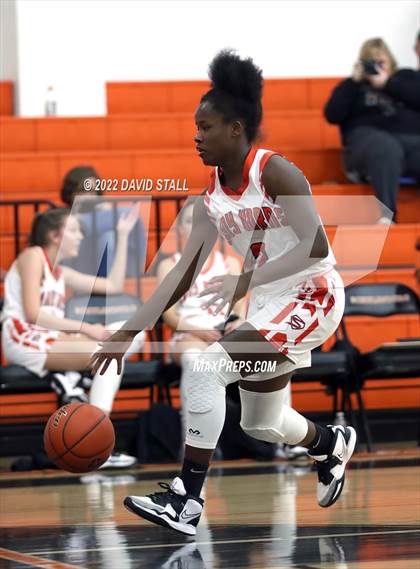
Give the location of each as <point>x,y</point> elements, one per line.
<point>378,112</point>
<point>98,222</point>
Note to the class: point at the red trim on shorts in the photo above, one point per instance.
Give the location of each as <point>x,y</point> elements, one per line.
<point>19,327</point>
<point>284,313</point>
<point>236,194</point>
<point>264,332</point>
<point>311,328</point>
<point>330,304</point>
<point>310,307</point>
<point>14,338</point>
<point>30,345</point>
<point>321,289</point>
<point>278,340</point>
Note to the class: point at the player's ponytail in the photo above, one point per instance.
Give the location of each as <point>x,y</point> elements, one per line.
<point>236,90</point>
<point>50,220</point>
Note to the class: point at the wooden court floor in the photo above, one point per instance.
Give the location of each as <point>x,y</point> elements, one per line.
<point>256,516</point>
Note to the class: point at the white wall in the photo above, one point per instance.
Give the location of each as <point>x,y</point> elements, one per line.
<point>77,45</point>
<point>8,41</point>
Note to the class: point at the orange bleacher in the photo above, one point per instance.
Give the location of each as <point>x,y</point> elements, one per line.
<point>148,133</point>
<point>184,96</point>
<point>299,129</point>
<point>6,98</point>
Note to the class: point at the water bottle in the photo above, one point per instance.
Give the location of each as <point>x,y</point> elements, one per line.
<point>50,103</point>
<point>340,419</point>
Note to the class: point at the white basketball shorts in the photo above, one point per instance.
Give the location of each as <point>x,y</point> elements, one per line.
<point>27,345</point>
<point>300,319</point>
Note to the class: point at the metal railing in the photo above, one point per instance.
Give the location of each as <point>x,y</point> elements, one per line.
<point>157,203</point>
<point>16,205</point>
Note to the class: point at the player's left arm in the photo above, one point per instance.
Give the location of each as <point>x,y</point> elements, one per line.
<point>289,189</point>
<point>234,268</point>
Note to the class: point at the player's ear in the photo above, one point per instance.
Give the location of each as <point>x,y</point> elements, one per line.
<point>55,236</point>
<point>237,128</point>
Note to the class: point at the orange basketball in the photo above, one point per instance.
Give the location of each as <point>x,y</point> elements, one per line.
<point>79,437</point>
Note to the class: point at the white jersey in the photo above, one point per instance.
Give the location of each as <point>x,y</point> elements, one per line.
<point>52,291</point>
<point>189,306</point>
<point>236,214</point>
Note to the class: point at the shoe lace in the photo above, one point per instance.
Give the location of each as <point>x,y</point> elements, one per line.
<point>161,497</point>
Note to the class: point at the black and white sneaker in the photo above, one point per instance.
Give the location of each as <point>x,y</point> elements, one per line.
<point>331,466</point>
<point>67,387</point>
<point>174,508</point>
<point>119,460</point>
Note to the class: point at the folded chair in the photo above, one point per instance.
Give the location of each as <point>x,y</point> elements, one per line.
<point>400,359</point>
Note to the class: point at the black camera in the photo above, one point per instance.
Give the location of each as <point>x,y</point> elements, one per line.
<point>370,66</point>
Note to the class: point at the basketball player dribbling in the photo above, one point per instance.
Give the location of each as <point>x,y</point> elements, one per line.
<point>262,205</point>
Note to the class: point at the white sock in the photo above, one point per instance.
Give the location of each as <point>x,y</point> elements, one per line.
<point>104,387</point>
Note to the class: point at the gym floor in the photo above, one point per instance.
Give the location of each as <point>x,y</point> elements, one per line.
<point>257,515</point>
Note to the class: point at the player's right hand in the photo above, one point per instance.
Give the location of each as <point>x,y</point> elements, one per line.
<point>112,349</point>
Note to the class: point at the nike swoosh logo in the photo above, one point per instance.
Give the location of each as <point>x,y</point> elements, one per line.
<point>166,513</point>
<point>186,516</point>
<point>197,471</point>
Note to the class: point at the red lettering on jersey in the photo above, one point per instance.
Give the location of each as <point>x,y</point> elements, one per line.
<point>247,219</point>
<point>260,218</point>
<point>260,221</point>
<point>225,231</point>
<point>52,298</point>
<point>270,217</point>
<point>232,223</point>
<point>281,216</point>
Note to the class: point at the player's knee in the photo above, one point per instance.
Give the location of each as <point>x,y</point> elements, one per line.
<point>262,415</point>
<point>202,392</point>
<point>267,433</point>
<point>208,378</point>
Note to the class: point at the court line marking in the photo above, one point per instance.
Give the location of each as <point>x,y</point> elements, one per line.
<point>222,542</point>
<point>28,559</point>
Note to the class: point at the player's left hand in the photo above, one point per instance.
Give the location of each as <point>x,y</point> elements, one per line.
<point>226,290</point>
